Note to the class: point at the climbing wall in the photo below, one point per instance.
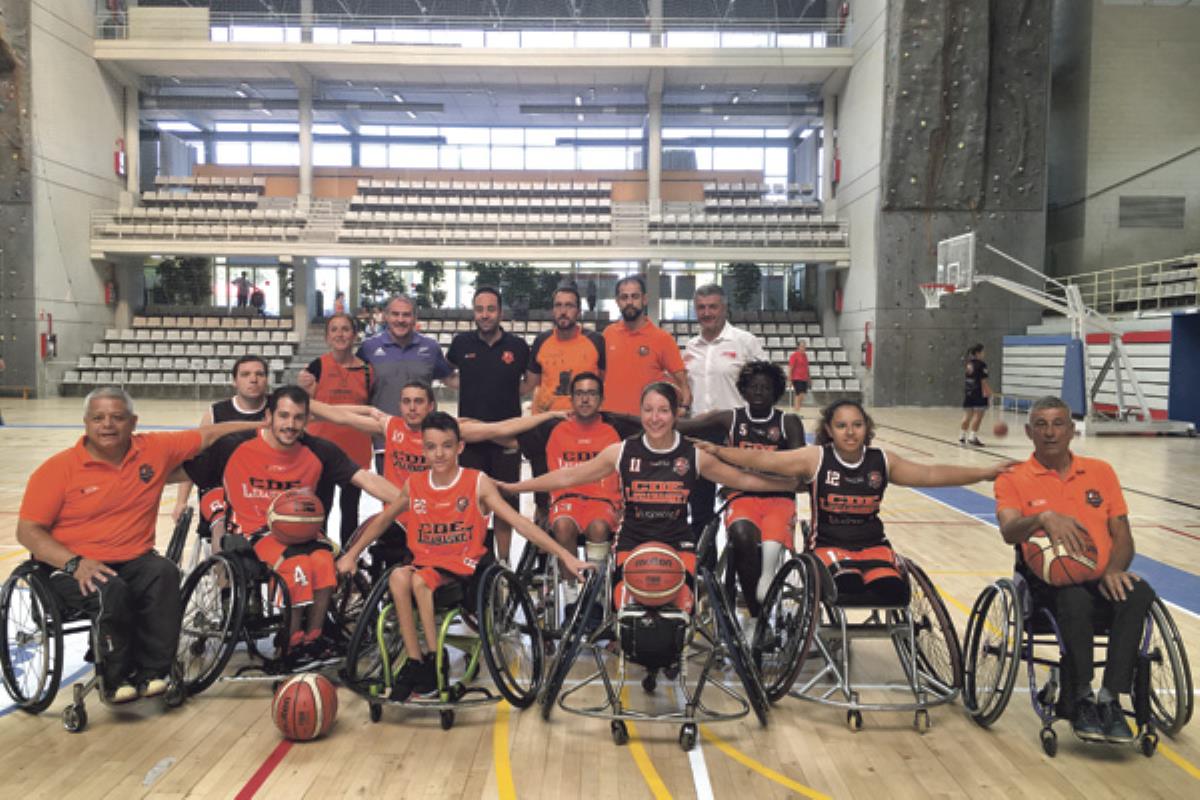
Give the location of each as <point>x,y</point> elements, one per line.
<point>17,324</point>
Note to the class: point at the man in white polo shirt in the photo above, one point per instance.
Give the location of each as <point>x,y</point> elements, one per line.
<point>713,360</point>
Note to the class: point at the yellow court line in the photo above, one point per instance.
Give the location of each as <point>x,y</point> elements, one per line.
<point>760,768</point>
<point>642,758</point>
<point>504,779</point>
<point>1178,760</point>
<point>14,554</point>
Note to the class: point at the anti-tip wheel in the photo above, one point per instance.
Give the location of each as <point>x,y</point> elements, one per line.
<point>74,718</point>
<point>687,736</point>
<point>376,712</point>
<point>1049,742</point>
<point>1149,744</point>
<point>921,721</point>
<point>620,733</point>
<point>447,719</point>
<point>650,682</point>
<point>854,720</point>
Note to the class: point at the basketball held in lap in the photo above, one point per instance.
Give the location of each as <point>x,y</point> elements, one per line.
<point>1055,566</point>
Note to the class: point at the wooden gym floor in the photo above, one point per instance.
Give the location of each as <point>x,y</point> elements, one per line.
<point>222,743</point>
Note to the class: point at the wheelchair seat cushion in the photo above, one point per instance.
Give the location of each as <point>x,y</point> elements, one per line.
<point>652,637</point>
<point>865,578</point>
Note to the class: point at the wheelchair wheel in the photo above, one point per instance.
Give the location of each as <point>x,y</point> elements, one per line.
<point>214,606</point>
<point>366,660</point>
<point>939,655</point>
<point>179,535</point>
<point>1171,698</point>
<point>512,641</point>
<point>730,636</point>
<point>572,639</point>
<point>991,652</point>
<point>346,606</point>
<point>786,626</point>
<point>32,656</point>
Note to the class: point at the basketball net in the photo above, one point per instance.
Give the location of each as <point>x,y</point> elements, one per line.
<point>933,293</point>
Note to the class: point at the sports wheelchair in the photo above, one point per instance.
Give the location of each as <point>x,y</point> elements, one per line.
<point>233,598</point>
<point>664,640</point>
<point>1006,627</point>
<point>919,628</point>
<point>491,617</point>
<point>31,661</point>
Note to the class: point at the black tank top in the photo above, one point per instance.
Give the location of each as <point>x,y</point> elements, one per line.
<point>226,411</point>
<point>655,486</point>
<point>846,500</point>
<point>759,434</point>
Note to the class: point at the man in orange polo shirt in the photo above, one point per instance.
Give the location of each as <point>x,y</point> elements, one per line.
<point>638,353</point>
<point>1070,499</point>
<point>89,516</point>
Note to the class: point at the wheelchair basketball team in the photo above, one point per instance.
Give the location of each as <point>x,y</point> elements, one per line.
<point>616,484</point>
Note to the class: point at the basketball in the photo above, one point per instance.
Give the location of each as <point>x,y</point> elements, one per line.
<point>305,707</point>
<point>654,573</point>
<point>1054,566</point>
<point>296,516</point>
<point>1000,428</point>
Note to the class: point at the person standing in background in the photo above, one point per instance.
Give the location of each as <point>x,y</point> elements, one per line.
<point>639,353</point>
<point>798,362</point>
<point>562,352</point>
<point>976,396</point>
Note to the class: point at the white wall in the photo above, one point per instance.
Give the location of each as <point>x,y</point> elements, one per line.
<point>860,145</point>
<point>1144,110</point>
<point>77,113</point>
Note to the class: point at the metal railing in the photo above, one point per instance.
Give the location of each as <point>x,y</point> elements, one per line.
<point>1154,285</point>
<point>469,31</point>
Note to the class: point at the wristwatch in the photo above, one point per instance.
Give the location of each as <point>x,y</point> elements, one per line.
<point>72,565</point>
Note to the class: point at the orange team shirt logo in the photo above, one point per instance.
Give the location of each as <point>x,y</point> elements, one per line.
<point>850,504</point>
<point>659,492</point>
<point>257,474</point>
<point>572,444</point>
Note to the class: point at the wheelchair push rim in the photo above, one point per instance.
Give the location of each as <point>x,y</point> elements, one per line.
<point>31,661</point>
<point>1171,697</point>
<point>510,637</point>
<point>212,617</point>
<point>992,652</point>
<point>786,626</point>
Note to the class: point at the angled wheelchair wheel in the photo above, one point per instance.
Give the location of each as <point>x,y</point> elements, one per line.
<point>939,654</point>
<point>346,606</point>
<point>214,604</point>
<point>574,631</point>
<point>1171,697</point>
<point>179,536</point>
<point>376,646</point>
<point>512,640</point>
<point>730,636</point>
<point>786,626</point>
<point>992,651</point>
<point>32,656</point>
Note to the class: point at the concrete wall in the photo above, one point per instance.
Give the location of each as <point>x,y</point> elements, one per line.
<point>77,115</point>
<point>1143,113</point>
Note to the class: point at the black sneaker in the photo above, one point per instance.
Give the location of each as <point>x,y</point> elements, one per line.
<point>1085,722</point>
<point>425,682</point>
<point>1112,721</point>
<point>405,680</point>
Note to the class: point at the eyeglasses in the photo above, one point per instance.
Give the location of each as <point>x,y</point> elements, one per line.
<point>586,393</point>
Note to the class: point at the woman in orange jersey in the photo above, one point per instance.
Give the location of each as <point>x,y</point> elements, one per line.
<point>341,378</point>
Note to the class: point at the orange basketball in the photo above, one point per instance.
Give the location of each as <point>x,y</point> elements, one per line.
<point>1000,428</point>
<point>654,573</point>
<point>305,707</point>
<point>1054,566</point>
<point>296,516</point>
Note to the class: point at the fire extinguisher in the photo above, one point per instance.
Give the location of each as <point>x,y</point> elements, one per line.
<point>868,349</point>
<point>110,293</point>
<point>837,167</point>
<point>119,158</point>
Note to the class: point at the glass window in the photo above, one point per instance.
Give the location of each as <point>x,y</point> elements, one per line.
<point>640,40</point>
<point>742,133</point>
<point>776,133</point>
<point>508,158</point>
<point>410,36</point>
<point>275,154</point>
<point>602,158</point>
<point>794,40</point>
<point>354,36</point>
<point>372,130</point>
<point>508,136</point>
<point>275,127</point>
<point>412,130</point>
<point>331,154</point>
<point>747,158</point>
<point>550,157</point>
<point>409,155</point>
<point>602,39</point>
<point>233,153</point>
<point>198,150</point>
<point>328,129</point>
<point>325,35</point>
<point>179,127</point>
<point>232,127</point>
<point>743,39</point>
<point>601,133</point>
<point>691,39</point>
<point>686,133</point>
<point>476,156</point>
<point>547,137</point>
<point>448,156</point>
<point>220,34</point>
<point>291,35</point>
<point>547,39</point>
<point>502,39</point>
<point>459,38</point>
<point>704,157</point>
<point>372,155</point>
<point>255,33</point>
<point>466,135</point>
<point>776,161</point>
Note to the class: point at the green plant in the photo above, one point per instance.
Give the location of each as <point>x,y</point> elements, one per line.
<point>287,285</point>
<point>432,274</point>
<point>378,282</point>
<point>747,283</point>
<point>185,281</point>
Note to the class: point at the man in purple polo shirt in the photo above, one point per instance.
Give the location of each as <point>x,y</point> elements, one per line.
<point>398,354</point>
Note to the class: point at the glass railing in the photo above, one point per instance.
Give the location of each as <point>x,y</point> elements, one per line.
<point>479,32</point>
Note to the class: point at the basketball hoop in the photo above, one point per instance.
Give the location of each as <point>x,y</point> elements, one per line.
<point>933,293</point>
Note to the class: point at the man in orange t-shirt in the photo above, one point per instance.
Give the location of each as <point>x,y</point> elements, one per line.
<point>639,353</point>
<point>89,516</point>
<point>1071,499</point>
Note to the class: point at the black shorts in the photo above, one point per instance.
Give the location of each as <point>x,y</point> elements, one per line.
<point>800,387</point>
<point>493,460</point>
<point>975,401</point>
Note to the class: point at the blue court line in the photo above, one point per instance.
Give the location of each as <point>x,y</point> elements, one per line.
<point>1175,585</point>
<point>66,684</point>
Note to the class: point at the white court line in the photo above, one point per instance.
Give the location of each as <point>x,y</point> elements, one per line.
<point>700,779</point>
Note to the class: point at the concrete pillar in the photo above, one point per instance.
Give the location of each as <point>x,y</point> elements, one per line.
<point>805,160</point>
<point>829,142</point>
<point>654,148</point>
<point>131,279</point>
<point>656,22</point>
<point>306,138</point>
<point>132,142</point>
<point>304,286</point>
<point>652,270</point>
<point>306,20</point>
<point>352,297</point>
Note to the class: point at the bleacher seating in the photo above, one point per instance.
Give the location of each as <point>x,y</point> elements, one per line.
<point>193,351</point>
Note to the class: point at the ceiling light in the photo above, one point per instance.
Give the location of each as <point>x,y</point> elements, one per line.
<point>735,99</point>
<point>266,111</point>
<point>239,92</point>
<point>397,98</point>
<point>578,100</point>
<point>411,115</point>
<point>726,118</point>
<point>579,117</point>
<point>702,87</point>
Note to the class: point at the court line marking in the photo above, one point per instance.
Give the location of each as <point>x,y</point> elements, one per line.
<point>759,767</point>
<point>264,771</point>
<point>504,777</point>
<point>1178,760</point>
<point>700,777</point>
<point>640,757</point>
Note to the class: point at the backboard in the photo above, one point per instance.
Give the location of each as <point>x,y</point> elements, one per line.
<point>956,262</point>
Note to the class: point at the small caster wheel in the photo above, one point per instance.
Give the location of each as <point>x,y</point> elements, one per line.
<point>687,736</point>
<point>1149,744</point>
<point>1049,742</point>
<point>74,718</point>
<point>175,695</point>
<point>376,712</point>
<point>650,682</point>
<point>456,692</point>
<point>447,719</point>
<point>921,721</point>
<point>854,720</point>
<point>275,686</point>
<point>620,733</point>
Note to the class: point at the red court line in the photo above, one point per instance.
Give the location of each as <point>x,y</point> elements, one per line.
<point>264,771</point>
<point>1179,532</point>
<point>908,447</point>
